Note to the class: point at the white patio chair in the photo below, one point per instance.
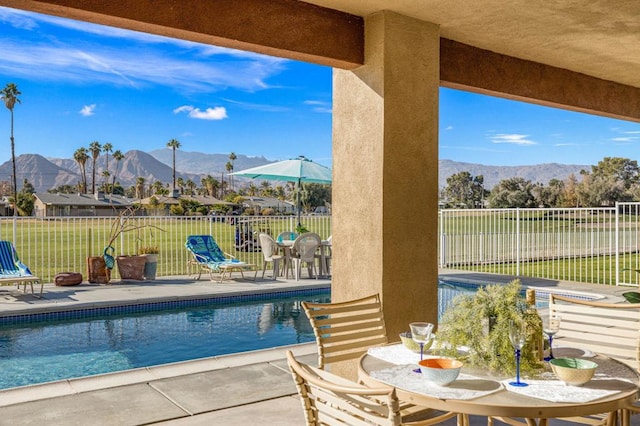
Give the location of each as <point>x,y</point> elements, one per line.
<point>304,251</point>
<point>270,254</point>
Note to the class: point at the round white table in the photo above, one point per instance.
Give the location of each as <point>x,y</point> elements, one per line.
<point>492,398</point>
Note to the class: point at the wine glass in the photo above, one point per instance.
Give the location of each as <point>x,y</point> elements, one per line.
<point>550,326</point>
<point>421,334</point>
<point>517,335</point>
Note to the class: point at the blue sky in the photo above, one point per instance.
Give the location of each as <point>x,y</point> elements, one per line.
<point>82,82</point>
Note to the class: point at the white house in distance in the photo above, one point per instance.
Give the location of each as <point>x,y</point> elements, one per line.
<point>261,203</point>
<point>56,205</point>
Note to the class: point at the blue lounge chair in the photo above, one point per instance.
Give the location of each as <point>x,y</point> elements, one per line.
<point>12,271</point>
<point>208,256</point>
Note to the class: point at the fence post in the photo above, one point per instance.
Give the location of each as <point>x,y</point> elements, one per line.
<point>517,241</point>
<point>617,243</point>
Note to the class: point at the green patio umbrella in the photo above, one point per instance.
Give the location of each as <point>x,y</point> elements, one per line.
<point>296,170</point>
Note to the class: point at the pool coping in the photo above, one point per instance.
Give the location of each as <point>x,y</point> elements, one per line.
<point>76,306</point>
<point>148,375</point>
<point>153,304</point>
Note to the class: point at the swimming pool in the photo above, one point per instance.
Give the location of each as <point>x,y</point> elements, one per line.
<point>44,347</point>
<point>36,349</point>
<point>449,289</point>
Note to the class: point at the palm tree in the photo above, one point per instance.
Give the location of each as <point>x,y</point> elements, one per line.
<point>94,148</point>
<point>174,144</point>
<point>207,184</point>
<point>266,189</point>
<point>181,185</point>
<point>229,167</point>
<point>118,156</point>
<point>157,187</point>
<point>10,97</point>
<point>191,187</point>
<point>81,156</point>
<point>140,187</point>
<point>233,158</point>
<point>105,186</point>
<point>107,148</point>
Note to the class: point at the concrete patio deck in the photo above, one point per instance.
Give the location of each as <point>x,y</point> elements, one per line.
<point>253,387</point>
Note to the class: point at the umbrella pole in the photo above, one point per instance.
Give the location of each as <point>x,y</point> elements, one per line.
<point>299,207</point>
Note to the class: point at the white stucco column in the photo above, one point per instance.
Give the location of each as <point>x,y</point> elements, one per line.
<point>385,171</point>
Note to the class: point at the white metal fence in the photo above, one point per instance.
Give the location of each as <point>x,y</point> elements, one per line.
<point>598,245</point>
<point>52,245</point>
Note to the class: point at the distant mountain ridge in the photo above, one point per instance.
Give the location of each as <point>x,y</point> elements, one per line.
<point>538,173</point>
<point>47,173</point>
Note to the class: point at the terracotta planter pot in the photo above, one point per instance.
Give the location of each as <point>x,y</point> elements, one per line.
<point>97,271</point>
<point>131,267</point>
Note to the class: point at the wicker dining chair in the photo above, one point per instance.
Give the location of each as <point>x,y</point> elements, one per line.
<point>329,399</point>
<point>346,330</point>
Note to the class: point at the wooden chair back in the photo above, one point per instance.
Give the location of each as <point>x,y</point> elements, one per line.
<point>345,330</point>
<point>611,329</point>
<point>328,399</point>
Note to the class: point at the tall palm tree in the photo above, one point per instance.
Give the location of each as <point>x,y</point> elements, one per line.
<point>10,97</point>
<point>229,167</point>
<point>232,158</point>
<point>174,144</point>
<point>94,148</point>
<point>107,148</point>
<point>118,156</point>
<point>81,156</point>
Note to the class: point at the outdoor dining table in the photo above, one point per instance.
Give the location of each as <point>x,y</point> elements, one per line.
<point>286,246</point>
<point>479,392</point>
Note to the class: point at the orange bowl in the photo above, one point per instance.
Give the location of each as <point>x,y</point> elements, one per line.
<point>440,371</point>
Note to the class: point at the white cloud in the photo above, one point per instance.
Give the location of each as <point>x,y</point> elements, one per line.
<point>625,139</point>
<point>319,106</point>
<point>257,107</point>
<point>97,54</point>
<point>88,110</point>
<point>217,113</point>
<point>512,138</point>
<point>18,18</point>
<point>448,128</point>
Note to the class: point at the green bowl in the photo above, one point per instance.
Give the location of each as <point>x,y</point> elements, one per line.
<point>573,371</point>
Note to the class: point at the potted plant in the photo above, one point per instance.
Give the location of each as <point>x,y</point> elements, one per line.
<point>150,254</point>
<point>129,267</point>
<point>480,321</point>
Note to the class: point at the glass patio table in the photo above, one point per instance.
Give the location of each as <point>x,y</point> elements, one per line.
<point>478,392</point>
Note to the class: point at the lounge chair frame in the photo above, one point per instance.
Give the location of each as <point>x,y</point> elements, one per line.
<point>14,272</point>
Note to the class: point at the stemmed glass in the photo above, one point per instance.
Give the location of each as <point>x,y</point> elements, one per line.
<point>550,326</point>
<point>517,335</point>
<point>421,334</point>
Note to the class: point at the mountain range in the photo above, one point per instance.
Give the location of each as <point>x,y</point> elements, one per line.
<point>47,173</point>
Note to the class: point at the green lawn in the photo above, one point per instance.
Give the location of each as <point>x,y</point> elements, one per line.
<point>52,246</point>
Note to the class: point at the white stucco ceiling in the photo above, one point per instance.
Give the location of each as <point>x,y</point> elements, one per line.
<point>600,38</point>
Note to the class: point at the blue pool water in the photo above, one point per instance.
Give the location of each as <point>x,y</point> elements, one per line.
<point>52,346</point>
<point>35,349</point>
